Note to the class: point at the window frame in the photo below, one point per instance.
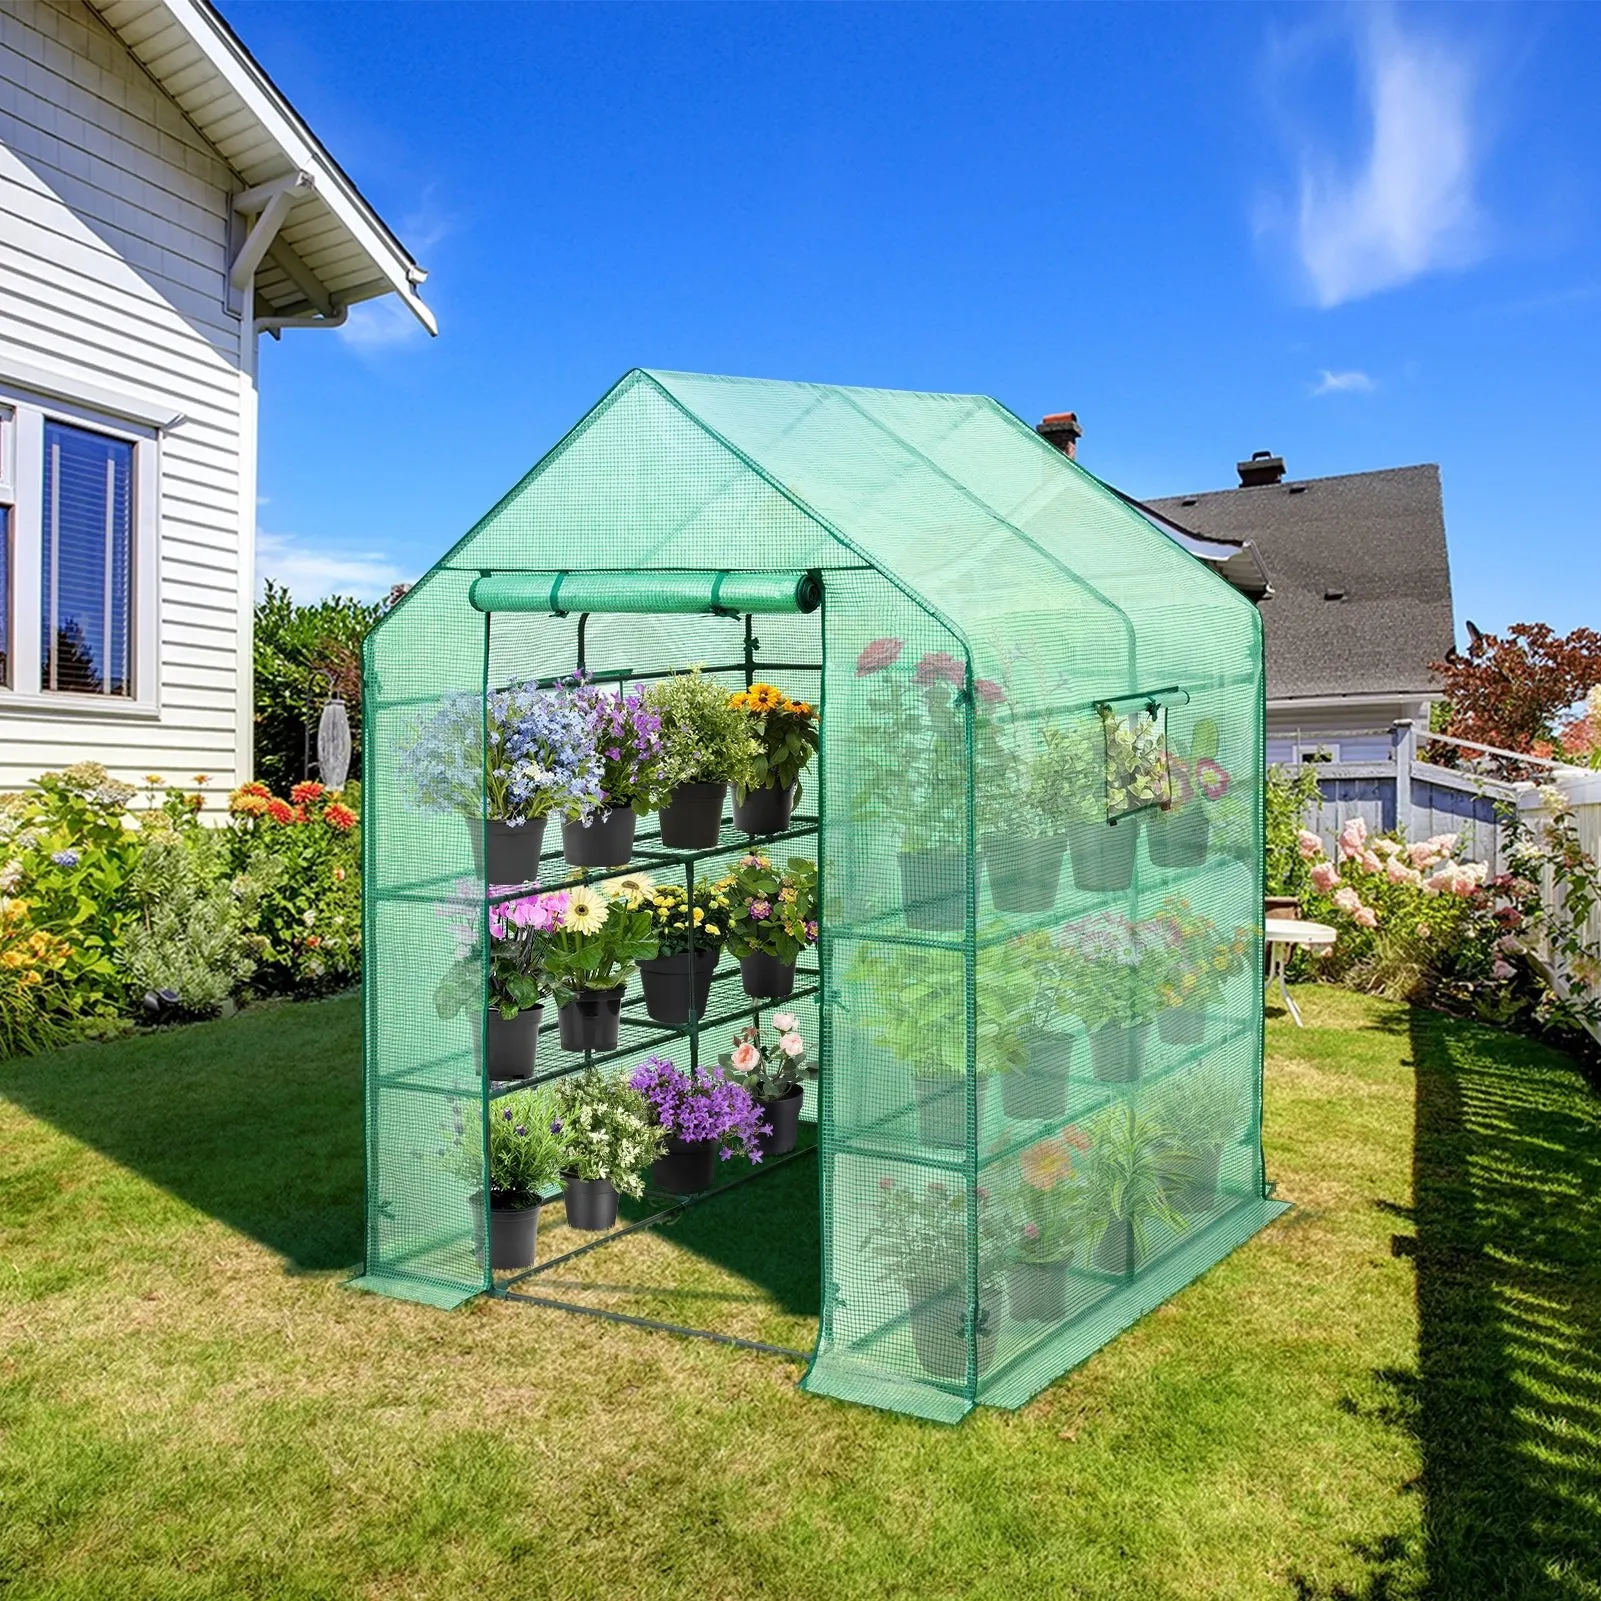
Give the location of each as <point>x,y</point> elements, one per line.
<point>25,691</point>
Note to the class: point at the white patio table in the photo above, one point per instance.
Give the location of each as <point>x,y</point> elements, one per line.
<point>1284,935</point>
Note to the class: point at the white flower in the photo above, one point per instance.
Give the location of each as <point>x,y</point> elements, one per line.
<point>785,1021</point>
<point>310,919</point>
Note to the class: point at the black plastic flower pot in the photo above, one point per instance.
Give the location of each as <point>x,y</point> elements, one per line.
<point>1024,872</point>
<point>782,1115</point>
<point>1117,1051</point>
<point>1115,1251</point>
<point>765,978</point>
<point>1038,1089</point>
<point>942,1110</point>
<point>692,817</point>
<point>1103,854</point>
<point>1177,839</point>
<point>513,1229</point>
<point>589,1020</point>
<point>1192,1180</point>
<point>686,1167</point>
<point>591,1203</point>
<point>1036,1292</point>
<point>1182,1025</point>
<point>763,811</point>
<point>675,984</point>
<point>514,849</point>
<point>606,842</point>
<point>934,889</point>
<point>941,1331</point>
<point>514,1043</point>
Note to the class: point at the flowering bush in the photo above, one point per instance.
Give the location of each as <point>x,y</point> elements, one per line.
<point>702,1106</point>
<point>302,860</point>
<point>704,737</point>
<point>771,912</point>
<point>606,1131</point>
<point>541,756</point>
<point>626,738</point>
<point>780,737</point>
<point>672,914</point>
<point>769,1064</point>
<point>1200,960</point>
<point>1046,1215</point>
<point>35,999</point>
<point>1113,969</point>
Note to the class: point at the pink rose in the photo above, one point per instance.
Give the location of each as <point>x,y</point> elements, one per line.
<point>791,1044</point>
<point>937,665</point>
<point>1212,778</point>
<point>880,654</point>
<point>746,1057</point>
<point>988,690</point>
<point>785,1021</point>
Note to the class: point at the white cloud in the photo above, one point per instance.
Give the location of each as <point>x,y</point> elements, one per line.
<point>311,575</point>
<point>380,324</point>
<point>1408,206</point>
<point>1343,383</point>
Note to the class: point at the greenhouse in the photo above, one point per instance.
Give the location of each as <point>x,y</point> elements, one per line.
<point>998,817</point>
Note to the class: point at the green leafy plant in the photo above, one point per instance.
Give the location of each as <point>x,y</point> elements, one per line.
<point>1112,969</point>
<point>769,911</point>
<point>780,737</point>
<point>1136,760</point>
<point>525,1157</point>
<point>915,1007</point>
<point>605,1131</point>
<point>705,737</point>
<point>1128,1176</point>
<point>919,1233</point>
<point>1205,1109</point>
<point>1200,961</point>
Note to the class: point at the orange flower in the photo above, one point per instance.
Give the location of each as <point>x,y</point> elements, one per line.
<point>304,793</point>
<point>765,698</point>
<point>339,816</point>
<point>280,811</point>
<point>1046,1164</point>
<point>313,941</point>
<point>243,805</point>
<point>202,779</point>
<point>740,700</point>
<point>800,708</point>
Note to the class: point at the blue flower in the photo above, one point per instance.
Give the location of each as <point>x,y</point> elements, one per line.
<point>65,858</point>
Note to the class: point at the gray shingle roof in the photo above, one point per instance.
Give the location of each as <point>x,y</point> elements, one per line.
<point>1380,538</point>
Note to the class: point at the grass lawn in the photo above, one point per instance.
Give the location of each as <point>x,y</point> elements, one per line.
<point>1394,1391</point>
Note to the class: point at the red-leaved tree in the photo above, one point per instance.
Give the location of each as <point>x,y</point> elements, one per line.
<point>1512,691</point>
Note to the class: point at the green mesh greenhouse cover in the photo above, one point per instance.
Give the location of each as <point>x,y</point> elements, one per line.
<point>1037,814</point>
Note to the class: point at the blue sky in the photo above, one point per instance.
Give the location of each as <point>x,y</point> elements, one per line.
<point>1359,237</point>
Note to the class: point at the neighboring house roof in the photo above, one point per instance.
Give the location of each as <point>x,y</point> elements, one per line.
<point>1361,600</point>
<point>331,248</point>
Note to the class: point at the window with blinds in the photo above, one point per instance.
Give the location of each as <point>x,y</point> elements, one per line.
<point>86,578</point>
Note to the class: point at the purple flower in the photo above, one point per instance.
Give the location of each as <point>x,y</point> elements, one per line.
<point>521,1131</point>
<point>507,1114</point>
<point>65,858</point>
<point>761,910</point>
<point>705,1106</point>
<point>555,1125</point>
<point>811,930</point>
<point>614,754</point>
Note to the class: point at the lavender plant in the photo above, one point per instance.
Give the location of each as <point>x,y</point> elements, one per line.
<point>625,735</point>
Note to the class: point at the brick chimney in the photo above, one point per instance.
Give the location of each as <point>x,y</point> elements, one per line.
<point>1062,430</point>
<point>1263,468</point>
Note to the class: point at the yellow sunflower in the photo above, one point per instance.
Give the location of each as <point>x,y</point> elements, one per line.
<point>764,698</point>
<point>586,910</point>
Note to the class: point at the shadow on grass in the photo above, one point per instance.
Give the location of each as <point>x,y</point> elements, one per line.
<point>255,1121</point>
<point>1506,1401</point>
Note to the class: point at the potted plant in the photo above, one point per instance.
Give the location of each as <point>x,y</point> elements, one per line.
<point>1177,835</point>
<point>1109,771</point>
<point>1200,963</point>
<point>919,1015</point>
<point>588,959</point>
<point>771,1068</point>
<point>1204,1113</point>
<point>772,918</point>
<point>780,741</point>
<point>540,760</point>
<point>1046,1219</point>
<point>1035,1090</point>
<point>1026,803</point>
<point>1127,1181</point>
<point>607,1138</point>
<point>524,1159</point>
<point>517,981</point>
<point>911,743</point>
<point>920,1239</point>
<point>704,744</point>
<point>704,1117</point>
<point>625,736</point>
<point>1112,970</point>
<point>689,935</point>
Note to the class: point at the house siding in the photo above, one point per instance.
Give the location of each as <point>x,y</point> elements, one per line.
<point>114,248</point>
